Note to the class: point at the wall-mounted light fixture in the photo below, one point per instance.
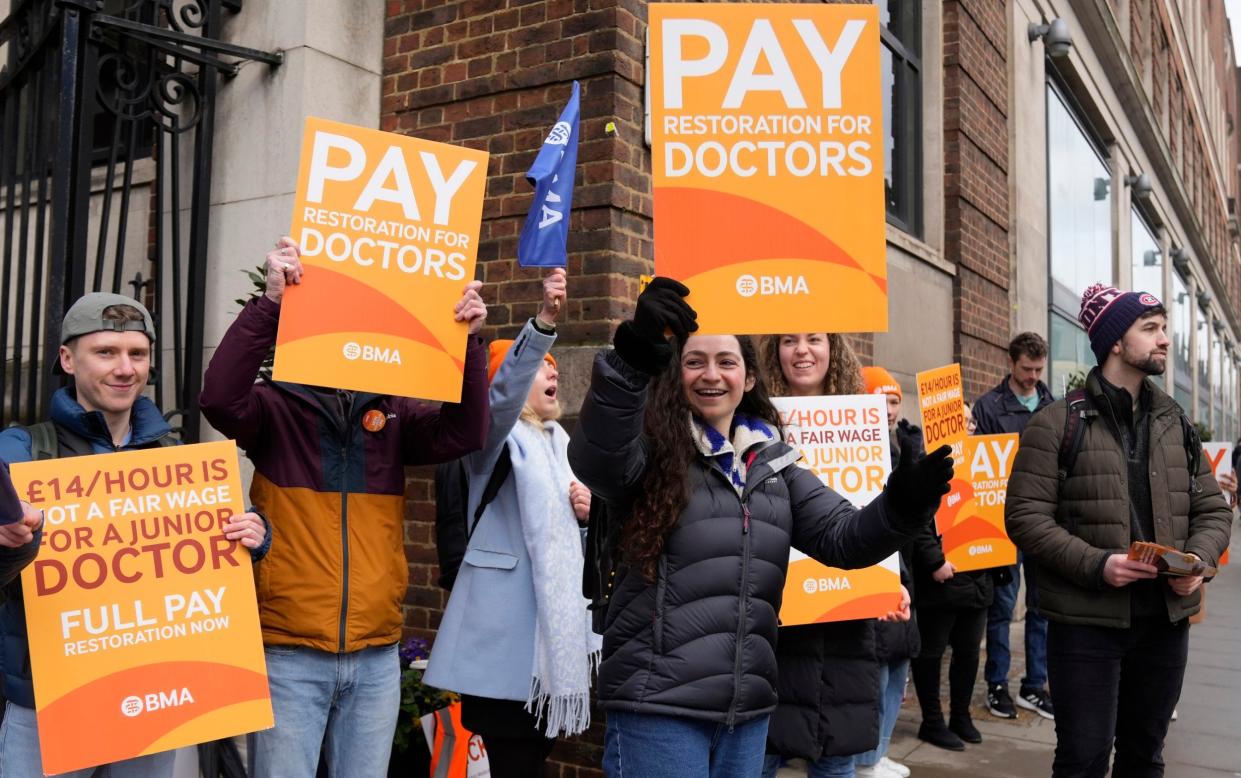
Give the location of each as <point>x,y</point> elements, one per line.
<point>1204,299</point>
<point>1056,37</point>
<point>1101,187</point>
<point>1180,261</point>
<point>1140,186</point>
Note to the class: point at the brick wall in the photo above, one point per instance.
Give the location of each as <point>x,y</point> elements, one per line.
<point>976,185</point>
<point>486,75</point>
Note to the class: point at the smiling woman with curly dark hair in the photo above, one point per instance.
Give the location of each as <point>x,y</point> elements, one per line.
<point>680,441</point>
<point>671,449</point>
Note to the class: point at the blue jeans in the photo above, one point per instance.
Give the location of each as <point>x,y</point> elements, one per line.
<point>891,692</point>
<point>825,767</point>
<point>19,752</point>
<point>345,703</point>
<point>644,745</point>
<point>1000,617</point>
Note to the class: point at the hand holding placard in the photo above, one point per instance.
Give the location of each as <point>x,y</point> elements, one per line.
<point>284,267</point>
<point>643,342</point>
<point>249,529</point>
<point>18,533</point>
<point>916,487</point>
<point>471,308</point>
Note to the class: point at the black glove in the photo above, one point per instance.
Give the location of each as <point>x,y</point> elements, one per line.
<point>642,342</point>
<point>914,489</point>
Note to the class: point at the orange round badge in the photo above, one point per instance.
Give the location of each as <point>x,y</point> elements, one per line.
<point>374,421</point>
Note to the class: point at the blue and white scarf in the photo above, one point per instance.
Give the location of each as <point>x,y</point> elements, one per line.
<point>729,455</point>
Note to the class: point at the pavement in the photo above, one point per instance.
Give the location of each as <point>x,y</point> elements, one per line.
<point>1204,741</point>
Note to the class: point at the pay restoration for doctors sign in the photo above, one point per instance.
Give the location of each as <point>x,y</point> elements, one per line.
<point>768,158</point>
<point>141,615</point>
<point>388,227</point>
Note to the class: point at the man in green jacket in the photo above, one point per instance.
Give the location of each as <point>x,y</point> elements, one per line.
<point>1118,634</point>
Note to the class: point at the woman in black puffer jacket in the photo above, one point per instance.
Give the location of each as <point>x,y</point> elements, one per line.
<point>686,454</point>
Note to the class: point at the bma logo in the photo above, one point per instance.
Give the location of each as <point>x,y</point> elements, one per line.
<point>770,286</point>
<point>133,705</point>
<point>812,585</point>
<point>983,549</point>
<point>559,136</point>
<point>354,352</point>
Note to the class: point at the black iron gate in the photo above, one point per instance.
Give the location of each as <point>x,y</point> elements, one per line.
<point>107,111</point>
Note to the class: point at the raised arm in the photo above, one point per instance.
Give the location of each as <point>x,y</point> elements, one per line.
<point>608,451</point>
<point>511,385</point>
<point>432,435</point>
<point>228,399</point>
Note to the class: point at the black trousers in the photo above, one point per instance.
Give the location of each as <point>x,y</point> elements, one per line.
<point>940,628</point>
<point>1114,686</point>
<point>515,746</point>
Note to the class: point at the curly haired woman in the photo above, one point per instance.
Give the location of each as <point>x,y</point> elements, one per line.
<point>682,443</point>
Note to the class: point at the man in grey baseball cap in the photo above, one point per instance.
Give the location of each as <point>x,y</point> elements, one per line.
<point>105,346</point>
<point>90,314</point>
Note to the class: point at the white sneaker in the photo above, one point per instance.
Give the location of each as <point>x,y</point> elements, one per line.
<point>884,768</point>
<point>895,768</point>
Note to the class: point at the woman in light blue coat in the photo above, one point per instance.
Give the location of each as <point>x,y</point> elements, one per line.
<point>515,640</point>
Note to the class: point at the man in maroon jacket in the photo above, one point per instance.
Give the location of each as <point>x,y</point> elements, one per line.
<point>329,474</point>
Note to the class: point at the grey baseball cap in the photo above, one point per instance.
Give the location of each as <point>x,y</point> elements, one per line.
<point>86,316</point>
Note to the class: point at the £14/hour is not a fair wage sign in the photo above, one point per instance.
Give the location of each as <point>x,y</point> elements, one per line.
<point>767,164</point>
<point>388,226</point>
<point>844,440</point>
<point>141,615</point>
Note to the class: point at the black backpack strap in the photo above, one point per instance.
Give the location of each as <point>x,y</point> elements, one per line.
<point>1078,414</point>
<point>1193,452</point>
<point>499,474</point>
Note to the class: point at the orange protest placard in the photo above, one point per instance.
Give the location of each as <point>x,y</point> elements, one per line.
<point>941,399</point>
<point>970,518</point>
<point>844,440</point>
<point>388,227</point>
<point>1219,457</point>
<point>141,615</point>
<point>768,164</point>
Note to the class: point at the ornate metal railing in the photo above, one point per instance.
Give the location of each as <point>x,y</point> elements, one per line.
<point>107,111</point>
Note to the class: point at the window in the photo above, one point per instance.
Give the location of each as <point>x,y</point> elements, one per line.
<point>1217,388</point>
<point>900,32</point>
<point>1230,399</point>
<point>1079,231</point>
<point>1201,356</point>
<point>1181,323</point>
<point>1147,259</point>
<point>1071,357</point>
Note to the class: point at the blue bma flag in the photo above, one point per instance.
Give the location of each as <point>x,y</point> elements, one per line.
<point>542,242</point>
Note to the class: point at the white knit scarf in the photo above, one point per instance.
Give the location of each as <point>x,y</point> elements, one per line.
<point>566,649</point>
